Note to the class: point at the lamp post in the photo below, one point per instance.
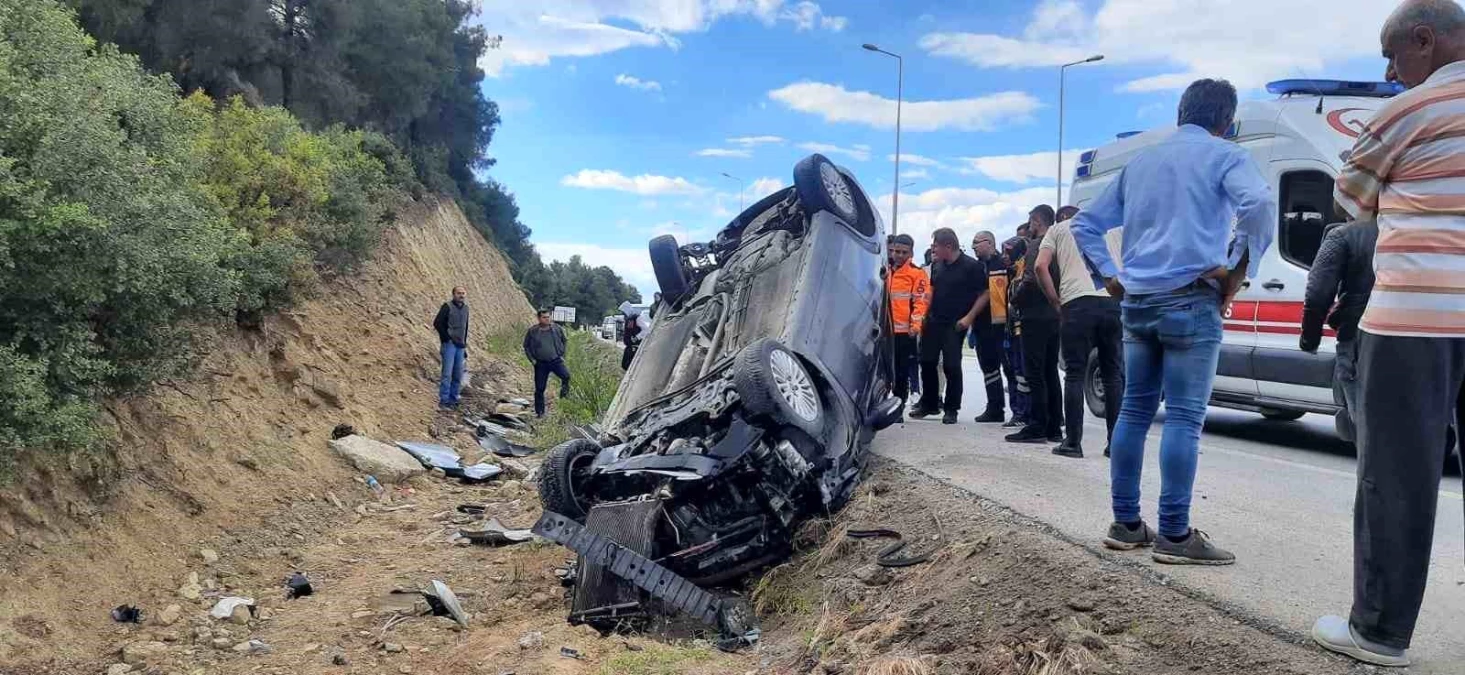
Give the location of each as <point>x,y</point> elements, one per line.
<point>1062,73</point>
<point>740,189</point>
<point>899,86</point>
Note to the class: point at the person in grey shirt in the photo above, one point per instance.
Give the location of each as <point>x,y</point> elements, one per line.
<point>451,324</point>
<point>545,345</point>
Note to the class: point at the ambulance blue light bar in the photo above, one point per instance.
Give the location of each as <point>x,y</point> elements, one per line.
<point>1084,170</point>
<point>1336,88</point>
<point>1126,134</point>
<point>1087,157</point>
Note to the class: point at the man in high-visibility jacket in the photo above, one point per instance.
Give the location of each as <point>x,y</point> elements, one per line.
<point>909,289</point>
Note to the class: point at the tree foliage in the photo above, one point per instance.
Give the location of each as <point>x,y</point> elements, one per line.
<point>129,216</point>
<point>594,292</point>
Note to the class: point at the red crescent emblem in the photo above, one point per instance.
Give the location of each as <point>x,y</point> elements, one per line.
<point>1352,127</point>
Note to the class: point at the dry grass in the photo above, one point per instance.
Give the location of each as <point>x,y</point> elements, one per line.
<point>779,592</point>
<point>896,665</point>
<point>1037,658</point>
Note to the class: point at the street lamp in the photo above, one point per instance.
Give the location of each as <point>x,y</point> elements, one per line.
<point>899,86</point>
<point>740,189</point>
<point>1062,72</point>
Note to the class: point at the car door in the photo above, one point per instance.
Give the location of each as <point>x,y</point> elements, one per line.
<point>1305,207</point>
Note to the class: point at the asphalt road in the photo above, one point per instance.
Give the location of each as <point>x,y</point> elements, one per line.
<point>1277,494</point>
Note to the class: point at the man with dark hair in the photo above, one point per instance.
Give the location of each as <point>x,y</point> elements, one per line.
<point>958,295</point>
<point>988,332</point>
<point>1176,201</point>
<point>451,324</point>
<point>907,287</point>
<point>1039,342</point>
<point>1411,351</point>
<point>1089,321</point>
<point>545,345</point>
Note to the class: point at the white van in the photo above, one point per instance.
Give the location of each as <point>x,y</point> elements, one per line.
<point>1298,140</point>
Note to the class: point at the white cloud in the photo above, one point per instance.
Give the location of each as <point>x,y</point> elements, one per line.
<point>645,185</point>
<point>966,210</point>
<point>836,104</point>
<point>1246,41</point>
<point>808,15</point>
<point>637,83</point>
<point>750,141</point>
<point>763,187</point>
<point>724,152</point>
<point>857,153</point>
<point>1023,169</point>
<point>912,174</point>
<point>537,32</point>
<point>915,160</point>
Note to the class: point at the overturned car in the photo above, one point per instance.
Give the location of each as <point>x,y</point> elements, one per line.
<point>749,408</point>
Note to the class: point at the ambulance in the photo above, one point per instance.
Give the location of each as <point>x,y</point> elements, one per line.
<point>1299,140</point>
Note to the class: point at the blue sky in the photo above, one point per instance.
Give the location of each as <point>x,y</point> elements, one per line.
<point>619,116</point>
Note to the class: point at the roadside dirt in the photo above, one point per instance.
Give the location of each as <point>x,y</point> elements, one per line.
<point>1000,595</point>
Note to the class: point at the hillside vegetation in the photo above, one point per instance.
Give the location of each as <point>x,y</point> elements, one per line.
<point>133,218</point>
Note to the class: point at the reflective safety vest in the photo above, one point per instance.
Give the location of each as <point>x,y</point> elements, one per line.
<point>910,294</point>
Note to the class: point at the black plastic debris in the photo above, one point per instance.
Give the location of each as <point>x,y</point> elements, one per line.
<point>443,602</point>
<point>298,586</point>
<point>443,457</point>
<point>502,447</point>
<point>508,421</point>
<point>341,431</point>
<point>127,614</point>
<point>569,653</point>
<point>472,509</point>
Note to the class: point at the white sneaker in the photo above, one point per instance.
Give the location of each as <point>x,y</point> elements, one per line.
<point>1334,634</point>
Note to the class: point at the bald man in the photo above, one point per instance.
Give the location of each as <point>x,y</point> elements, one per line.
<point>1411,350</point>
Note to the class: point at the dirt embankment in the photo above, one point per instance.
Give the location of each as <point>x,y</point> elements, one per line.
<point>241,448</point>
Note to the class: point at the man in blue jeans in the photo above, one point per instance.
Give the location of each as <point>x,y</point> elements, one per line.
<point>451,324</point>
<point>1176,202</point>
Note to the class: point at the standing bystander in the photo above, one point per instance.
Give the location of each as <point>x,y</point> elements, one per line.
<point>451,324</point>
<point>1338,286</point>
<point>989,331</point>
<point>1039,342</point>
<point>958,295</point>
<point>1013,252</point>
<point>907,287</point>
<point>1176,201</point>
<point>1403,171</point>
<point>546,345</point>
<point>1090,322</point>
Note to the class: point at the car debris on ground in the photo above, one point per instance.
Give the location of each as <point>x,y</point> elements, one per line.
<point>442,457</point>
<point>127,614</point>
<point>298,586</point>
<point>493,533</point>
<point>444,603</point>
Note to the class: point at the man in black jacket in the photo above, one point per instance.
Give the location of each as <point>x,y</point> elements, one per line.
<point>958,296</point>
<point>1039,343</point>
<point>1342,271</point>
<point>451,324</point>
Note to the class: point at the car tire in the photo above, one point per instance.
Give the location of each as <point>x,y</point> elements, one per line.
<point>562,480</point>
<point>1282,415</point>
<point>774,384</point>
<point>666,262</point>
<point>822,187</point>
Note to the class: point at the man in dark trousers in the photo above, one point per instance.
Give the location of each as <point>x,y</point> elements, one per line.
<point>908,288</point>
<point>545,345</point>
<point>1338,286</point>
<point>451,324</point>
<point>958,296</point>
<point>1089,322</point>
<point>1014,251</point>
<point>990,329</point>
<point>1039,343</point>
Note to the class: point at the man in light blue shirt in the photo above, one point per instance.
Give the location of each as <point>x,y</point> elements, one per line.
<point>1182,265</point>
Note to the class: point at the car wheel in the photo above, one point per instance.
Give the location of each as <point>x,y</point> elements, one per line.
<point>1282,415</point>
<point>773,383</point>
<point>1093,391</point>
<point>666,262</point>
<point>565,477</point>
<point>822,187</point>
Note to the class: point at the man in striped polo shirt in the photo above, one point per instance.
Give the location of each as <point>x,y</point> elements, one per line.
<point>1408,169</point>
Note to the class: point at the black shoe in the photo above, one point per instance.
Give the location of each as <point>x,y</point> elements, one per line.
<point>948,418</point>
<point>1106,451</point>
<point>1013,423</point>
<point>991,417</point>
<point>1066,450</point>
<point>1122,538</point>
<point>921,412</point>
<point>1056,437</point>
<point>1028,435</point>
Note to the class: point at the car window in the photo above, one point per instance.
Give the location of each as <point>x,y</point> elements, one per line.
<point>1306,206</point>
